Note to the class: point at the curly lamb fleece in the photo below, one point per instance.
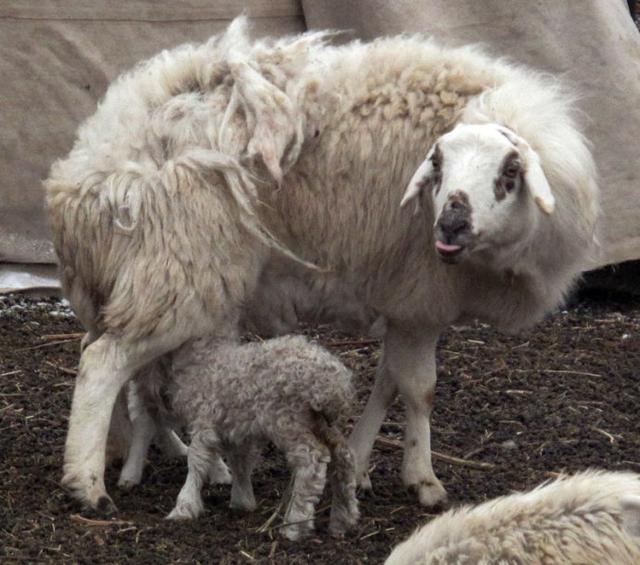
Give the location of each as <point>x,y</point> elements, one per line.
<point>214,177</point>
<point>591,517</point>
<point>233,397</point>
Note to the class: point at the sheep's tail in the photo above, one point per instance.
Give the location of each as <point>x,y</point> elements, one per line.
<point>342,475</point>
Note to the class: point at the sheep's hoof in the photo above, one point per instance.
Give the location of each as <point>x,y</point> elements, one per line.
<point>175,514</point>
<point>364,482</point>
<point>106,506</point>
<point>430,493</point>
<point>94,499</point>
<point>127,484</point>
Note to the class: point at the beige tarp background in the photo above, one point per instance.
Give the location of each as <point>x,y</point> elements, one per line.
<point>59,56</point>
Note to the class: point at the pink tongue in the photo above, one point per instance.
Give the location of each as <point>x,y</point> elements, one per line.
<point>446,248</point>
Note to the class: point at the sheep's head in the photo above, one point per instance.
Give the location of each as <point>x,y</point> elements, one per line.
<point>485,183</point>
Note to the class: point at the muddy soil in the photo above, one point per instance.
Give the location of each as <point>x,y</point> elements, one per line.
<point>562,397</point>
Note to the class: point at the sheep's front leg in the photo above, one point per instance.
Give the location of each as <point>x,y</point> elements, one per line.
<point>204,448</point>
<point>408,367</point>
<point>105,366</point>
<point>410,361</point>
<point>366,429</point>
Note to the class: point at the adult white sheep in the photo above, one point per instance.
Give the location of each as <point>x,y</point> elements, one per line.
<point>234,397</point>
<point>206,169</point>
<point>591,517</point>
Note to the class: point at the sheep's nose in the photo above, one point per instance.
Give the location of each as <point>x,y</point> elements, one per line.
<point>453,221</point>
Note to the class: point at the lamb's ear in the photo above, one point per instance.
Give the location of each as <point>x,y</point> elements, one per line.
<point>631,515</point>
<point>534,175</point>
<point>416,183</point>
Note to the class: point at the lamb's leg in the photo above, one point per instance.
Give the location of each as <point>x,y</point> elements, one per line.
<point>366,429</point>
<point>342,473</point>
<point>307,458</point>
<point>204,447</point>
<point>410,360</point>
<point>105,366</point>
<point>242,460</point>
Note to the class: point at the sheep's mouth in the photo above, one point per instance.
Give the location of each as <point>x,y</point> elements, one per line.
<point>449,252</point>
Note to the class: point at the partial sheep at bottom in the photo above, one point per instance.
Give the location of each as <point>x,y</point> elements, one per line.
<point>591,517</point>
<point>232,397</point>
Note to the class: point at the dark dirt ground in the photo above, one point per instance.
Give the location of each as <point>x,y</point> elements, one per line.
<point>561,397</point>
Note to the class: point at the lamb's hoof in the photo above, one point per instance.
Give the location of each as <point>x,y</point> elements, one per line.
<point>243,505</point>
<point>430,493</point>
<point>339,529</point>
<point>341,522</point>
<point>295,532</point>
<point>185,511</point>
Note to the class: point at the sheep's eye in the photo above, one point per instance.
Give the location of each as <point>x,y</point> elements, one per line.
<point>511,170</point>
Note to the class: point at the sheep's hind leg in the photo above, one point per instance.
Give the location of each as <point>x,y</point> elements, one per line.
<point>144,429</point>
<point>410,360</point>
<point>204,447</point>
<point>307,458</point>
<point>169,442</point>
<point>366,429</point>
<point>242,460</point>
<point>105,366</point>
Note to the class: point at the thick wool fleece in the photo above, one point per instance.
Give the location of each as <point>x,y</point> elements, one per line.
<point>579,519</point>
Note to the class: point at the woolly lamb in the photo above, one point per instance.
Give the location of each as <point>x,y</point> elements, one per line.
<point>233,397</point>
<point>237,182</point>
<point>592,517</point>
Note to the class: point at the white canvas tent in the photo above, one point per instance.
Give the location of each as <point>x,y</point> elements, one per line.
<point>59,57</point>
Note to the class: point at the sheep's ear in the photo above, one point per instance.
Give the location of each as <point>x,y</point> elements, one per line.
<point>534,175</point>
<point>537,182</point>
<point>631,515</point>
<point>417,180</point>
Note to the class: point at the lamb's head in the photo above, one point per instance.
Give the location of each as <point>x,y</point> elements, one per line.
<point>488,191</point>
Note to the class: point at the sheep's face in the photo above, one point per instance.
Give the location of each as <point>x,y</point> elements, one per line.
<point>483,181</point>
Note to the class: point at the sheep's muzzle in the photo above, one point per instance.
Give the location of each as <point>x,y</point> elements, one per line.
<point>453,231</point>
